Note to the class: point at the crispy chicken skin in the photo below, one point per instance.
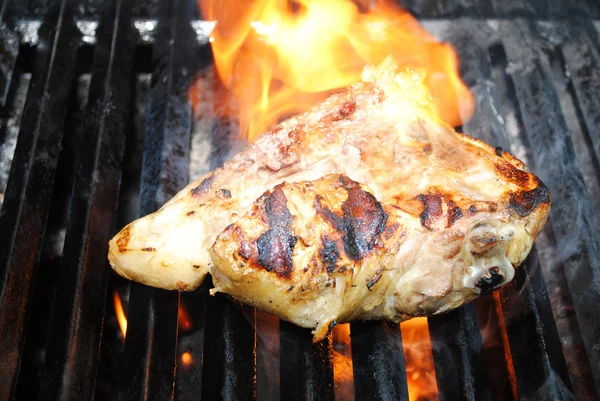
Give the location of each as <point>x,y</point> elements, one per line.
<point>365,207</point>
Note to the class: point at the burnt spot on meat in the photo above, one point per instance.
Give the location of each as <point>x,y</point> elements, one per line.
<point>499,151</point>
<point>196,266</point>
<point>490,281</point>
<point>329,254</point>
<point>427,148</point>
<point>375,278</point>
<point>432,208</point>
<point>247,249</point>
<point>454,213</point>
<point>511,173</point>
<point>224,193</point>
<point>524,202</point>
<point>347,109</point>
<point>472,210</point>
<point>276,245</point>
<point>149,249</point>
<point>291,288</point>
<point>204,186</point>
<point>342,113</point>
<point>191,213</point>
<point>362,221</point>
<point>123,239</point>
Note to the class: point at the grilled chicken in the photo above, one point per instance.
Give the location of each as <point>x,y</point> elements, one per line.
<point>366,207</point>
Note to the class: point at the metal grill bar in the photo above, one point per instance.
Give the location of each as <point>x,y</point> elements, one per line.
<point>458,354</point>
<point>30,185</point>
<point>583,62</point>
<point>378,362</point>
<point>531,329</point>
<point>229,362</point>
<point>572,216</point>
<point>150,347</point>
<point>9,47</point>
<point>79,308</point>
<point>308,373</point>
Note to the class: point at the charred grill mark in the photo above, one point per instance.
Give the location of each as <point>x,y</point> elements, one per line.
<point>276,245</point>
<point>454,213</point>
<point>524,202</point>
<point>365,221</point>
<point>488,283</point>
<point>432,207</point>
<point>191,213</point>
<point>362,222</point>
<point>329,254</point>
<point>149,249</point>
<point>204,186</point>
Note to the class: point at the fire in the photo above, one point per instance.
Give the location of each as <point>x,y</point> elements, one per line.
<point>343,373</point>
<point>121,318</point>
<point>185,321</point>
<point>280,57</point>
<point>420,370</point>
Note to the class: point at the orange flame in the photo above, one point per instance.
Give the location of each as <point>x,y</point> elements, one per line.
<point>279,58</point>
<point>418,358</point>
<point>343,373</point>
<point>121,318</point>
<point>185,321</point>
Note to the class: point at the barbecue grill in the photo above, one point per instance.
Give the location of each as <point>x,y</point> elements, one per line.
<point>97,128</point>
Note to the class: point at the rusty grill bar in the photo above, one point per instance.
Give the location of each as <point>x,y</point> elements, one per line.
<point>96,127</point>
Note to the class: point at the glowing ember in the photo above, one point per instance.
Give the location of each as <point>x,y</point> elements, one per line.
<point>186,359</point>
<point>342,363</point>
<point>420,370</point>
<point>279,58</point>
<point>121,318</point>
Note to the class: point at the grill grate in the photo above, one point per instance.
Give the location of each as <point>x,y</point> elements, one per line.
<point>97,94</point>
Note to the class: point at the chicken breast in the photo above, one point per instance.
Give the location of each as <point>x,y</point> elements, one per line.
<point>365,207</point>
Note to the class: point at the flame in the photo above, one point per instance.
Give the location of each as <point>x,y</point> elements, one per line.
<point>343,373</point>
<point>121,318</point>
<point>186,359</point>
<point>185,321</point>
<point>418,357</point>
<point>279,57</point>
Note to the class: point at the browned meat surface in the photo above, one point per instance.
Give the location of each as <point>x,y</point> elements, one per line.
<point>366,207</point>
